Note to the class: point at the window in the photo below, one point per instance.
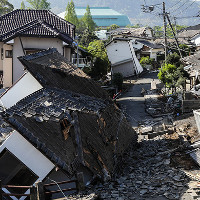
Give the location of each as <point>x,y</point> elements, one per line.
<point>8,54</point>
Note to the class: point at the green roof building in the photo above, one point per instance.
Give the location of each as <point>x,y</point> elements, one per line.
<point>103,16</point>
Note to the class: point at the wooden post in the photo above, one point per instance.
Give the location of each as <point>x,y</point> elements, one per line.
<point>40,191</point>
<point>80,181</point>
<point>0,190</point>
<point>33,193</point>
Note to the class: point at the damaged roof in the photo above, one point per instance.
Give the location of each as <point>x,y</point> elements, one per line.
<point>150,44</point>
<point>51,69</point>
<point>37,117</point>
<point>68,124</point>
<point>135,32</point>
<point>193,60</point>
<point>189,34</point>
<point>32,23</point>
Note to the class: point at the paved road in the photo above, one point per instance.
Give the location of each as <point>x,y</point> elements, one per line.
<point>133,101</point>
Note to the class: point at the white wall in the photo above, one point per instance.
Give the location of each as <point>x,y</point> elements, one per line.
<point>28,154</point>
<point>67,53</point>
<point>7,67</point>
<point>31,42</point>
<point>196,40</point>
<point>118,51</point>
<point>25,86</point>
<point>149,32</point>
<point>126,69</point>
<point>1,61</point>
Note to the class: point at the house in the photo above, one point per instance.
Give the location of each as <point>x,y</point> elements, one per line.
<point>121,54</point>
<point>28,31</point>
<point>192,66</point>
<point>150,49</point>
<point>61,127</point>
<point>191,34</point>
<point>102,16</point>
<point>142,32</point>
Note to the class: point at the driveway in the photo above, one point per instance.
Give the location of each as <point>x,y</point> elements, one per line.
<point>134,103</point>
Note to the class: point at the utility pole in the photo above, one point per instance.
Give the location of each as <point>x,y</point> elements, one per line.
<point>174,36</point>
<point>165,31</point>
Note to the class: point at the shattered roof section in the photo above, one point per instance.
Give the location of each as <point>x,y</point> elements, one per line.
<point>37,117</point>
<point>51,69</point>
<point>5,130</point>
<point>193,60</point>
<point>135,32</point>
<point>188,33</point>
<point>98,131</point>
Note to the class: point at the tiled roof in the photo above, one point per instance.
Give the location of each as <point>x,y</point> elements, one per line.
<point>188,34</point>
<point>37,117</point>
<point>35,23</point>
<point>193,60</point>
<point>150,44</point>
<point>51,69</point>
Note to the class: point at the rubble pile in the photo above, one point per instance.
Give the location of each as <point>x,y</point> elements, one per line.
<point>147,173</point>
<point>157,105</point>
<point>187,129</point>
<point>156,127</point>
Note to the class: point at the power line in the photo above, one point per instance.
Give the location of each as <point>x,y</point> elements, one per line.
<point>179,7</point>
<point>187,7</point>
<point>175,4</point>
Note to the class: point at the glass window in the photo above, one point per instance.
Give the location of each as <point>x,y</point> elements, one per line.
<point>8,54</point>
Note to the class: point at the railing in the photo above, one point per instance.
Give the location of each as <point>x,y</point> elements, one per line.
<point>40,191</point>
<point>2,193</point>
<point>80,60</point>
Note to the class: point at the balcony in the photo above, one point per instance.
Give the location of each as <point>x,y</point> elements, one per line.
<point>82,62</point>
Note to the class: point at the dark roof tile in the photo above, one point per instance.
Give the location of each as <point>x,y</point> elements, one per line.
<point>35,23</point>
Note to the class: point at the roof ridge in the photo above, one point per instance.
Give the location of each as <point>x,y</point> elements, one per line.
<point>50,12</point>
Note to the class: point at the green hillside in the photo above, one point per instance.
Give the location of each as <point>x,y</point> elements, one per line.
<point>133,9</point>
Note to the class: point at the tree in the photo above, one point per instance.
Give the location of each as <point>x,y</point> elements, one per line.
<point>87,37</point>
<point>87,19</point>
<point>39,4</point>
<point>22,5</point>
<point>5,7</point>
<point>112,27</point>
<point>70,14</point>
<point>100,59</point>
<point>118,80</point>
<point>173,59</point>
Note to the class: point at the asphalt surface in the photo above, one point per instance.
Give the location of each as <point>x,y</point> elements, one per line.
<point>133,102</point>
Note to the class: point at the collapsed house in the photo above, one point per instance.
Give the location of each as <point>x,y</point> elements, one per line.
<point>67,124</point>
<point>122,56</point>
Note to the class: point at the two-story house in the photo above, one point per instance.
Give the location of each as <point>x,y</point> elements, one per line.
<point>27,31</point>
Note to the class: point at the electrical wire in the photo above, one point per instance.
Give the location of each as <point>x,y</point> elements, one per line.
<point>187,7</point>
<point>180,6</point>
<point>175,4</point>
<point>58,187</point>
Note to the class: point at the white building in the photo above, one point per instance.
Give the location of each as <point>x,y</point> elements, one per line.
<point>121,54</point>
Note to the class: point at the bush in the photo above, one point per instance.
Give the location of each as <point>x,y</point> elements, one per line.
<point>146,61</point>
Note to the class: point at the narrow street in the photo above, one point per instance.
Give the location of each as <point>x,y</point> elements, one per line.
<point>133,102</point>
